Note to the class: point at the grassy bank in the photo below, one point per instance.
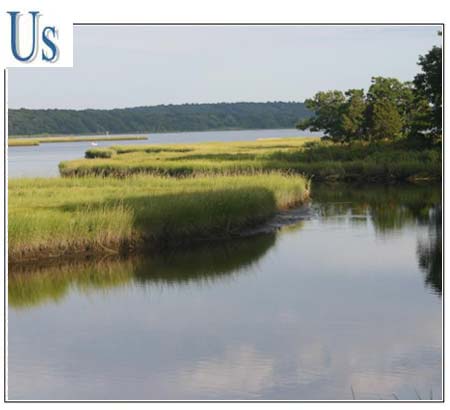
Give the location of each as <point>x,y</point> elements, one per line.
<point>384,161</point>
<point>23,142</point>
<point>53,217</point>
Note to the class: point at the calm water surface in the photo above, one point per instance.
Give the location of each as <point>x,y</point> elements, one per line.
<point>348,299</point>
<point>43,160</point>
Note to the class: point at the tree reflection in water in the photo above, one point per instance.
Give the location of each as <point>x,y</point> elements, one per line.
<point>429,251</point>
<point>390,209</point>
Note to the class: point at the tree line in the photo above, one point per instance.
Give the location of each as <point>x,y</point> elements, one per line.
<point>390,109</point>
<point>161,118</point>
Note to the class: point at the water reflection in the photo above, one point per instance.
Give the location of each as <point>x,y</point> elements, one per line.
<point>31,285</point>
<point>389,207</point>
<point>429,251</point>
<point>333,303</point>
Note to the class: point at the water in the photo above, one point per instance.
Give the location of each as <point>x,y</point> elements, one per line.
<point>43,160</point>
<point>349,299</point>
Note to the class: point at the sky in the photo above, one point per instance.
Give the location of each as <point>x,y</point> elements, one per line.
<point>128,66</point>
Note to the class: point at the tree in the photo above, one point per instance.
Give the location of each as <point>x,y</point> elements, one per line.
<point>386,121</point>
<point>389,104</point>
<point>353,116</point>
<point>327,107</point>
<point>428,86</point>
<point>384,113</point>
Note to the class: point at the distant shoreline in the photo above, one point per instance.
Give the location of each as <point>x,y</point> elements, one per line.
<point>158,119</point>
<point>26,142</point>
<point>140,133</point>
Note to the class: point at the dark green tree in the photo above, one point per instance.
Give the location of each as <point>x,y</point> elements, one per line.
<point>327,107</point>
<point>353,115</point>
<point>385,120</point>
<point>427,123</point>
<point>389,105</point>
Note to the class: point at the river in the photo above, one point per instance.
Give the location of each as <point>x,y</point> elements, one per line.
<point>344,304</point>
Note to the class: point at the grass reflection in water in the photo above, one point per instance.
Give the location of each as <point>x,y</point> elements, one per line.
<point>33,285</point>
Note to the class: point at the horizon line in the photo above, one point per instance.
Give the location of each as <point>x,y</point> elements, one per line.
<point>158,105</point>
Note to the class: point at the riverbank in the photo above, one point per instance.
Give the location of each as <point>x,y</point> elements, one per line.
<point>320,160</point>
<point>26,142</point>
<point>58,217</point>
<point>129,197</point>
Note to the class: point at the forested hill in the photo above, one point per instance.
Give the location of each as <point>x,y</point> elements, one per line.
<point>160,118</point>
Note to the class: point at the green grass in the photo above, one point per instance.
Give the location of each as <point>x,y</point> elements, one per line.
<point>321,160</point>
<point>21,142</point>
<point>53,217</point>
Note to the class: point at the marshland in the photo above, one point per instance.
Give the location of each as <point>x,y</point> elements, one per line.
<point>235,307</point>
<point>384,161</point>
<point>260,226</point>
<point>235,251</point>
<point>110,215</point>
<point>122,197</point>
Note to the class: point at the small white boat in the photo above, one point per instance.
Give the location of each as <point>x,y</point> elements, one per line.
<point>94,144</point>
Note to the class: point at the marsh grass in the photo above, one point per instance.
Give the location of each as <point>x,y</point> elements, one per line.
<point>22,142</point>
<point>62,216</point>
<point>381,161</point>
